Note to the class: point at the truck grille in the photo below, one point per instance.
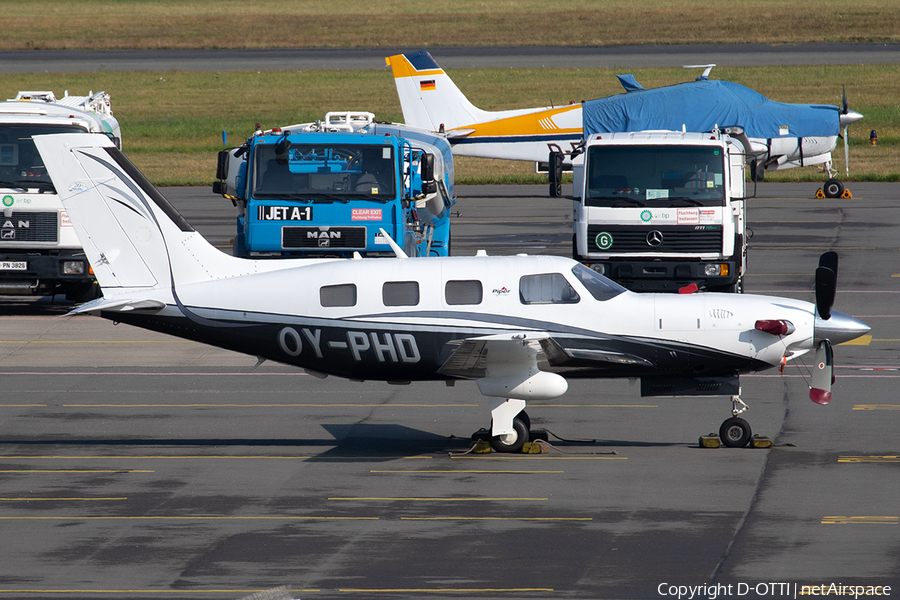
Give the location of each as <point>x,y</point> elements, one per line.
<point>29,227</point>
<point>346,238</point>
<point>642,239</point>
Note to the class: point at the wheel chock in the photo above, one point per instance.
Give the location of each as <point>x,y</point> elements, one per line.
<point>482,447</point>
<point>846,194</point>
<point>760,441</point>
<point>820,193</point>
<point>710,441</point>
<point>532,448</point>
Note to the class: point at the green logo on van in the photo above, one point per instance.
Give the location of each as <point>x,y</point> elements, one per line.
<point>8,200</point>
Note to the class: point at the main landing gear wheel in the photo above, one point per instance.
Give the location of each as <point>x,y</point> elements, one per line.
<point>735,432</point>
<point>512,442</point>
<point>833,188</point>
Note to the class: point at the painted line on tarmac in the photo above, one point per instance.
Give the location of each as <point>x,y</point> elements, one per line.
<point>496,518</point>
<point>207,456</point>
<point>131,592</point>
<point>88,471</point>
<point>443,590</point>
<point>435,499</point>
<point>869,459</point>
<point>61,499</point>
<point>876,407</point>
<point>287,405</point>
<point>869,520</point>
<point>539,457</point>
<point>470,471</point>
<point>188,518</point>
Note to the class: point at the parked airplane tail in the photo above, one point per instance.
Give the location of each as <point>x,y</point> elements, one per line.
<point>138,240</point>
<point>428,97</point>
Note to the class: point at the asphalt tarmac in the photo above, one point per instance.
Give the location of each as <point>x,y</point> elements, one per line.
<point>135,465</point>
<point>673,55</point>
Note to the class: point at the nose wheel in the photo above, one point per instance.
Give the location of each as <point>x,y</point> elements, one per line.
<point>735,432</point>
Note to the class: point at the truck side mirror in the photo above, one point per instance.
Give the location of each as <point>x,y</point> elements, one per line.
<point>220,187</point>
<point>222,165</point>
<point>281,150</point>
<point>427,167</point>
<point>555,163</point>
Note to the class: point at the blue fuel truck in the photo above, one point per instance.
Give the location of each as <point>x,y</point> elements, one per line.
<point>334,188</point>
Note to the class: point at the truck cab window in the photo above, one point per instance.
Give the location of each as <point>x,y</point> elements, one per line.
<point>657,176</point>
<point>324,172</point>
<point>547,288</point>
<point>338,295</point>
<point>20,163</point>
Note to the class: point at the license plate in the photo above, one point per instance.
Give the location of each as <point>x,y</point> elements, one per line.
<point>13,265</point>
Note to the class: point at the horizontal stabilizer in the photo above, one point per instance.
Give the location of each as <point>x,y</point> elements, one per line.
<point>102,304</point>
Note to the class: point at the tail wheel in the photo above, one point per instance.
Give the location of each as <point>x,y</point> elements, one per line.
<point>511,442</point>
<point>735,432</point>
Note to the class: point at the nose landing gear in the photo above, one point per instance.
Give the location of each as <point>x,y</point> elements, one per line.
<point>735,432</point>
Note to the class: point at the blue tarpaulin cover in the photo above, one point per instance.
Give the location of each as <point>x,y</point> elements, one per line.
<point>701,105</point>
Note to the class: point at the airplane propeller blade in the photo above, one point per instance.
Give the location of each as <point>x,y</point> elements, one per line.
<point>826,284</point>
<point>823,374</point>
<point>846,109</point>
<point>847,150</point>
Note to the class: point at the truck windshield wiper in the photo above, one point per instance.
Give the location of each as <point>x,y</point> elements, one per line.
<point>633,201</point>
<point>691,201</point>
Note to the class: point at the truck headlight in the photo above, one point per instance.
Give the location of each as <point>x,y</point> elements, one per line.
<point>73,267</point>
<point>716,270</point>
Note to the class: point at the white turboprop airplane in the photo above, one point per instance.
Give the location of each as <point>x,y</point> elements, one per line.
<point>429,99</point>
<point>518,326</point>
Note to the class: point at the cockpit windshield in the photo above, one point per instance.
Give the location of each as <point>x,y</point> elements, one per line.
<point>599,286</point>
<point>655,176</point>
<point>332,172</point>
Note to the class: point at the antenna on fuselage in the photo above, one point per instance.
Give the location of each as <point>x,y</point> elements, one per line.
<point>398,251</point>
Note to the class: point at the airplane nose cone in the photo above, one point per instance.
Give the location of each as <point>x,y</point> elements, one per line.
<point>851,117</point>
<point>840,328</point>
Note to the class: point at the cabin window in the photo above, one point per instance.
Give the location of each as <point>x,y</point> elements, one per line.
<point>547,288</point>
<point>400,293</point>
<point>463,292</point>
<point>599,286</point>
<point>338,295</point>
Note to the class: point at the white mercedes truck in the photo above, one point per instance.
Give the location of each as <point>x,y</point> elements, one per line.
<point>662,211</point>
<point>39,251</point>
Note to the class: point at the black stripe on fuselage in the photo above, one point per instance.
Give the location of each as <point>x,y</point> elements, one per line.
<point>405,352</point>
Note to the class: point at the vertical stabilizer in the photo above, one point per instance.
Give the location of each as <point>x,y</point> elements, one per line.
<point>428,97</point>
<point>131,235</point>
